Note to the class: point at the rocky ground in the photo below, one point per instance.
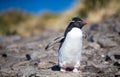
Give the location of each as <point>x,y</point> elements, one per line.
<point>26,56</point>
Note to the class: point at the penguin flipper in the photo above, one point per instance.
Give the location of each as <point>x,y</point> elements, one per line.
<point>56,40</point>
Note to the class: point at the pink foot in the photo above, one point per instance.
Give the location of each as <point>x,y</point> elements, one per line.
<point>75,70</point>
<point>62,69</point>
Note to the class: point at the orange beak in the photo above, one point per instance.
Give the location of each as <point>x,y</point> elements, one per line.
<point>84,22</point>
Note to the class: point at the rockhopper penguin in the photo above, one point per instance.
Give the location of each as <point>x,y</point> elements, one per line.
<point>69,53</point>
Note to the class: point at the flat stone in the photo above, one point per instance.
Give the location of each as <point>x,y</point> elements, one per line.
<point>94,45</point>
<point>106,42</point>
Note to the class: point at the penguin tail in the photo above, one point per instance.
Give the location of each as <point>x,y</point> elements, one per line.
<point>56,40</point>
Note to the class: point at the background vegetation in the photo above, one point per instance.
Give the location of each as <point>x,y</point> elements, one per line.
<point>18,22</point>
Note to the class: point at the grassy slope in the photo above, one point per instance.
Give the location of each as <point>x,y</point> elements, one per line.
<point>92,10</point>
<point>17,22</point>
<point>10,19</point>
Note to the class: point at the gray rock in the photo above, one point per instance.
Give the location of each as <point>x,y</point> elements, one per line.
<point>106,42</point>
<point>117,27</point>
<point>94,45</point>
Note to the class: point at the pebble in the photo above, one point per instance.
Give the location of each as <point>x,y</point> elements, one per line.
<point>4,55</point>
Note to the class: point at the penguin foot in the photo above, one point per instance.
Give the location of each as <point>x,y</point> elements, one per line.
<point>75,70</point>
<point>62,69</point>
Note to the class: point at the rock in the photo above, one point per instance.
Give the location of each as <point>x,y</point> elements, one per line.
<point>35,55</point>
<point>32,45</point>
<point>2,45</point>
<point>107,58</point>
<point>4,55</point>
<point>37,75</point>
<point>94,45</point>
<point>27,71</point>
<point>28,57</point>
<point>117,56</point>
<point>117,64</point>
<point>13,48</point>
<point>90,38</point>
<point>7,72</point>
<point>106,42</point>
<point>114,52</point>
<point>114,56</point>
<point>117,74</point>
<point>94,27</point>
<point>117,28</point>
<point>43,65</point>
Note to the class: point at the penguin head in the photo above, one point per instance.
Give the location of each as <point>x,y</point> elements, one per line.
<point>78,22</point>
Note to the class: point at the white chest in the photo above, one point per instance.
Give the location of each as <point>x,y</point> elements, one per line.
<point>75,33</point>
<point>73,41</point>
